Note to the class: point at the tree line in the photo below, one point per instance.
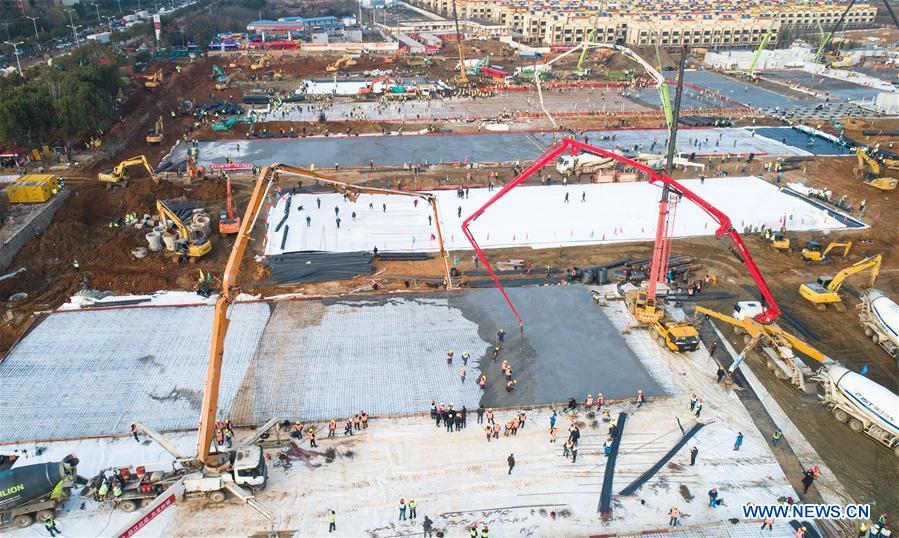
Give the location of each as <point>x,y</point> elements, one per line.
<point>72,99</point>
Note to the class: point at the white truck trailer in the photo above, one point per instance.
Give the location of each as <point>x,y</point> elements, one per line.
<point>880,317</point>
<point>863,404</point>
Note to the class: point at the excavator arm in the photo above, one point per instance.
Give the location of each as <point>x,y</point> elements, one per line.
<point>845,246</point>
<point>165,214</point>
<point>872,262</point>
<point>572,146</point>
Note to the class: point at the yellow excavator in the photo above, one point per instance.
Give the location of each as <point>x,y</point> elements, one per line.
<point>825,290</point>
<point>194,247</point>
<point>871,164</point>
<point>346,61</point>
<point>779,241</point>
<point>224,84</point>
<point>118,174</point>
<point>815,253</point>
<point>156,135</point>
<point>154,80</point>
<point>262,61</point>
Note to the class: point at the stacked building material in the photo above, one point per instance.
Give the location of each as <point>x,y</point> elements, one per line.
<point>402,256</point>
<point>222,108</point>
<point>317,266</point>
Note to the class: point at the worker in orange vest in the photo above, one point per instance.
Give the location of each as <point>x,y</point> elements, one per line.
<point>219,437</point>
<point>310,434</point>
<point>363,416</point>
<point>332,427</point>
<point>482,382</point>
<point>675,515</point>
<point>599,400</point>
<point>490,416</point>
<point>356,422</point>
<point>462,374</point>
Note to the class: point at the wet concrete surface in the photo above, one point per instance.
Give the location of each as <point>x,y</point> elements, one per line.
<point>800,140</point>
<point>836,88</point>
<point>744,92</point>
<point>493,147</point>
<point>569,347</point>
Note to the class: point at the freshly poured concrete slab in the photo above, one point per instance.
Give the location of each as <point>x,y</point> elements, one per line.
<point>395,150</point>
<point>92,372</point>
<point>569,347</point>
<point>835,87</point>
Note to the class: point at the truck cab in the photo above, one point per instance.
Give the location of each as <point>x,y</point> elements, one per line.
<point>679,337</point>
<point>745,309</point>
<point>249,467</point>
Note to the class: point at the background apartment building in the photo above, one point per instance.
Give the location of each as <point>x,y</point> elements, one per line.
<point>698,23</point>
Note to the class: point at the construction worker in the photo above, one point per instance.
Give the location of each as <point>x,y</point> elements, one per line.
<point>693,453</point>
<point>521,420</point>
<point>219,437</point>
<point>511,461</point>
<point>675,515</point>
<point>228,435</point>
<point>76,265</point>
<point>496,431</point>
<point>739,441</point>
<point>402,510</point>
<point>465,357</point>
<point>485,532</point>
<point>808,478</point>
<point>607,446</point>
<point>495,354</point>
<point>449,357</point>
<point>310,435</point>
<point>488,429</point>
<point>769,522</point>
<point>332,427</point>
<point>428,526</point>
<point>693,400</point>
<point>800,532</point>
<point>510,386</point>
<point>357,422</point>
<point>412,505</point>
<point>777,436</point>
<point>332,520</point>
<point>116,488</point>
<point>713,498</point>
<point>297,430</point>
<point>490,416</point>
<point>501,337</point>
<point>639,398</point>
<point>363,416</point>
<point>462,374</point>
<point>134,431</point>
<point>599,400</point>
<point>588,403</point>
<point>348,428</point>
<point>553,433</point>
<point>698,408</point>
<point>482,382</point>
<point>50,525</point>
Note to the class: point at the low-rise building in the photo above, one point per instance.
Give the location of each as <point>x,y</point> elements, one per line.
<point>724,23</point>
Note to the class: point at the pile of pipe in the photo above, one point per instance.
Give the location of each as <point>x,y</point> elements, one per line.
<point>222,108</point>
<point>705,121</point>
<point>403,256</point>
<point>318,266</point>
<point>635,271</point>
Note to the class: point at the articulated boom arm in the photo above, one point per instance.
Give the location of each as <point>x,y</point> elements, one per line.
<point>230,290</point>
<point>573,146</point>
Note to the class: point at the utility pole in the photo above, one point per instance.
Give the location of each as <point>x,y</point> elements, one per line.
<point>73,27</point>
<point>15,46</point>
<point>120,6</point>
<point>36,37</point>
<point>97,6</point>
<point>6,27</point>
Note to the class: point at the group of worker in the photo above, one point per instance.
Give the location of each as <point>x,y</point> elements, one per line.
<point>452,419</point>
<point>224,432</point>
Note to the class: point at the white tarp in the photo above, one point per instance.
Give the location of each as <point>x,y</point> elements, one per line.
<point>532,216</point>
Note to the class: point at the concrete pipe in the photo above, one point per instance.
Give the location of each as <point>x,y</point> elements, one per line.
<point>169,240</point>
<point>154,239</point>
<point>141,252</point>
<point>204,221</point>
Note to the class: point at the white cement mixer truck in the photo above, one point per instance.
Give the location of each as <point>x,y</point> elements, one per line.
<point>880,317</point>
<point>863,404</point>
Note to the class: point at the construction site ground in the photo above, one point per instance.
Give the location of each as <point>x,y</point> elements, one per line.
<point>81,231</point>
<point>545,493</point>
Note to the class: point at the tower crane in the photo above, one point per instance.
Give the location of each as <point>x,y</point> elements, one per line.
<point>461,78</point>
